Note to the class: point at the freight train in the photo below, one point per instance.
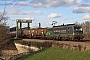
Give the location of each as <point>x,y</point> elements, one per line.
<point>62,32</point>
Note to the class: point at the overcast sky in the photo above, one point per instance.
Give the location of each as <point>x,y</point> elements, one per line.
<point>46,11</point>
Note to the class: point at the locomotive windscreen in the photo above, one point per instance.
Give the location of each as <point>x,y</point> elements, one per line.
<point>78,29</point>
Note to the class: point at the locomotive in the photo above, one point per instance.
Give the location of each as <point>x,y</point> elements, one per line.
<point>62,32</point>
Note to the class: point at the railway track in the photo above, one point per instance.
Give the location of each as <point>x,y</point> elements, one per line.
<point>87,41</point>
<point>43,40</point>
<point>83,45</point>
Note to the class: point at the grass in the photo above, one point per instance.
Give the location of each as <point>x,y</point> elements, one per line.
<point>58,54</point>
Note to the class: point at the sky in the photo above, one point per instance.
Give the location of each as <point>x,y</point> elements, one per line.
<point>46,11</point>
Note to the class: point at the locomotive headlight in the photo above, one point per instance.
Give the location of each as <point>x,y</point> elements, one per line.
<point>81,29</point>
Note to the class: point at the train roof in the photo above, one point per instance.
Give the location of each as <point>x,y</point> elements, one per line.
<point>64,25</point>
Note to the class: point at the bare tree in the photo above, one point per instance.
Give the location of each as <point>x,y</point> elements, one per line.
<point>3,16</point>
<point>5,39</point>
<point>86,28</point>
<point>3,27</point>
<point>77,23</point>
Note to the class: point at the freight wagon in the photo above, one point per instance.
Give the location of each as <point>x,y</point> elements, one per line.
<point>34,33</point>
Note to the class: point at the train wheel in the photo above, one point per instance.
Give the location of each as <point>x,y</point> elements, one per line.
<point>54,38</point>
<point>43,37</point>
<point>47,38</point>
<point>71,39</point>
<point>60,38</point>
<point>78,38</point>
<point>30,36</point>
<point>57,38</point>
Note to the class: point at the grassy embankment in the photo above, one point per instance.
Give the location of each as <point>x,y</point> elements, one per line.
<point>58,54</point>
